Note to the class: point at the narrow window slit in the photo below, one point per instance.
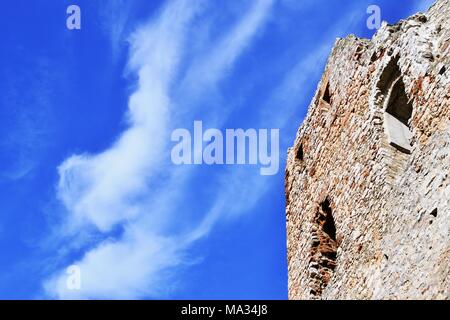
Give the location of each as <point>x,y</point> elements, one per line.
<point>299,153</point>
<point>326,95</point>
<point>434,212</point>
<point>323,249</point>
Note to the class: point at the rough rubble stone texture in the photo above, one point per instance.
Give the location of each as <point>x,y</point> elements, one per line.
<point>368,218</point>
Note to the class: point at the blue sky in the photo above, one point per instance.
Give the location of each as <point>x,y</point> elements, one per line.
<point>85,123</point>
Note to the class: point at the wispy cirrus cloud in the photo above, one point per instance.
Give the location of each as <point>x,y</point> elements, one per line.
<point>114,16</point>
<point>214,63</point>
<point>122,187</point>
<point>130,193</point>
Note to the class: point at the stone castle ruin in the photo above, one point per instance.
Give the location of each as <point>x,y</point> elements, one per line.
<point>367,180</point>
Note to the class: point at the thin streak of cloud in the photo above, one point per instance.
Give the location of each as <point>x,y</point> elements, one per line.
<point>114,17</point>
<point>210,67</point>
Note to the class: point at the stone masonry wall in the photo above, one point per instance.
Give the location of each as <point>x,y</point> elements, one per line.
<point>367,218</point>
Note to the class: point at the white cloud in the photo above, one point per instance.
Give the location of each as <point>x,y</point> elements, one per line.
<point>102,189</point>
<point>126,269</point>
<point>214,64</point>
<point>115,188</point>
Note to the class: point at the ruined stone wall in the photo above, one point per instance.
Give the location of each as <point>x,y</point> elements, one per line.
<point>368,217</point>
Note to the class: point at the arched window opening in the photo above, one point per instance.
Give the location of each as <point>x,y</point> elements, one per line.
<point>397,108</point>
<point>398,105</point>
